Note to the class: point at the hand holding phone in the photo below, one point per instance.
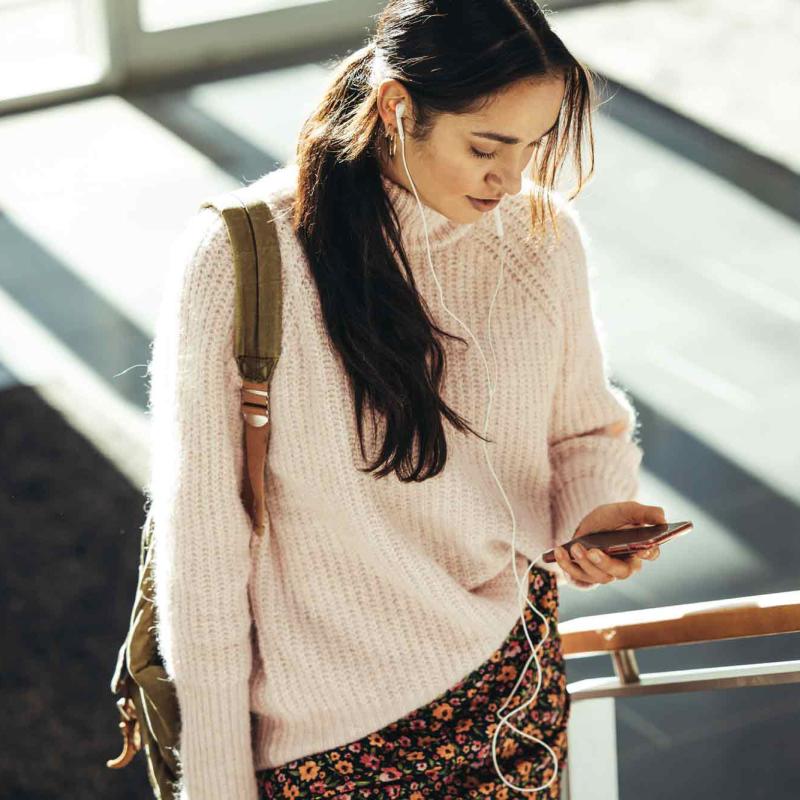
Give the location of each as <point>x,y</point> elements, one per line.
<point>625,541</point>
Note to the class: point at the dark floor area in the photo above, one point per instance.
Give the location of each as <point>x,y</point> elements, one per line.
<point>70,544</point>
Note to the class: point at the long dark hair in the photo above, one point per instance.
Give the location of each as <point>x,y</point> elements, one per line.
<point>346,223</point>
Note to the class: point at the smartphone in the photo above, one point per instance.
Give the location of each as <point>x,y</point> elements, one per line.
<point>625,541</point>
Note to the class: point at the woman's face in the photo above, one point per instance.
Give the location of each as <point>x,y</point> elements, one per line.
<point>458,162</point>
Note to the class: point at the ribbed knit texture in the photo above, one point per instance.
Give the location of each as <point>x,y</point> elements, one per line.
<point>369,597</point>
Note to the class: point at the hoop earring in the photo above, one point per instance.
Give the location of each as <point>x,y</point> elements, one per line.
<point>392,142</point>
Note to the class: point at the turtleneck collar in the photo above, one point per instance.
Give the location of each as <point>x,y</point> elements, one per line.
<point>442,231</point>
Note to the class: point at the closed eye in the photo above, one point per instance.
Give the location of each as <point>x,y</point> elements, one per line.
<point>481,154</point>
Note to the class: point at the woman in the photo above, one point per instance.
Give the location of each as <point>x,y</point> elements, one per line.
<point>387,622</point>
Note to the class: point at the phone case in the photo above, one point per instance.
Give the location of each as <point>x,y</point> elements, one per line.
<point>626,541</point>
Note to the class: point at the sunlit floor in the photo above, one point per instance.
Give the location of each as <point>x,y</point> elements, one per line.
<point>697,289</point>
<point>732,66</point>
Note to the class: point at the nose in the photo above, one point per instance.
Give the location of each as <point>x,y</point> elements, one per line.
<point>505,181</point>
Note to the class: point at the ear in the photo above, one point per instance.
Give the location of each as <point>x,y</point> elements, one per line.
<point>390,94</point>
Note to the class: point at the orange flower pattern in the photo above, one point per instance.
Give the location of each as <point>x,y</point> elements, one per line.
<point>444,749</point>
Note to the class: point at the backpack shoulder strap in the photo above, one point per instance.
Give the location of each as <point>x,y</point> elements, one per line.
<point>258,323</point>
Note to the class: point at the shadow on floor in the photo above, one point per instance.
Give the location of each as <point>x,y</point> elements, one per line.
<point>71,526</point>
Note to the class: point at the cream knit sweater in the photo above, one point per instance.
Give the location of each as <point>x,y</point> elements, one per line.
<point>369,597</point>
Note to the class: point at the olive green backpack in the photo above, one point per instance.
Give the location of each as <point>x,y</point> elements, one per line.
<point>148,705</point>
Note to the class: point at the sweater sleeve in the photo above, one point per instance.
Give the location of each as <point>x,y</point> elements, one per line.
<point>593,455</point>
<point>202,530</point>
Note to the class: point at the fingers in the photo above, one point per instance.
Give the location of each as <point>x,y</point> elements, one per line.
<point>634,562</point>
<point>584,571</point>
<point>605,569</point>
<point>572,569</point>
<point>581,568</point>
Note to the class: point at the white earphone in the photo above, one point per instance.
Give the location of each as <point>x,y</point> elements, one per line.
<point>521,587</point>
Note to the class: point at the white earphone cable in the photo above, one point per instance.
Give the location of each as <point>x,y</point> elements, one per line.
<point>521,587</point>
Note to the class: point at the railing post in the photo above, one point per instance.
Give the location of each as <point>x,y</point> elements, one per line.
<point>592,750</point>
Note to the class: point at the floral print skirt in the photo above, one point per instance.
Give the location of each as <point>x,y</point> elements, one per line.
<point>444,749</point>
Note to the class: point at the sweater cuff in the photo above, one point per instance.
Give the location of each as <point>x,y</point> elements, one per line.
<point>574,500</point>
<point>591,471</point>
<point>215,746</point>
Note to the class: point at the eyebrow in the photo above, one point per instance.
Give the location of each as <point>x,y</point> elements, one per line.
<point>500,137</point>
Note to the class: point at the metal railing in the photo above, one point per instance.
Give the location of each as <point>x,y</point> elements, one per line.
<point>591,770</point>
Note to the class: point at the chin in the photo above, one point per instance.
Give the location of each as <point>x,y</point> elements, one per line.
<point>466,216</point>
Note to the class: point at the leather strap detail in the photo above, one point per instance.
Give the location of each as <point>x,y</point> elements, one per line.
<point>255,411</point>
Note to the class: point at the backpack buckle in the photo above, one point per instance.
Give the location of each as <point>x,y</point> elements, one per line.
<point>255,404</point>
<point>131,735</point>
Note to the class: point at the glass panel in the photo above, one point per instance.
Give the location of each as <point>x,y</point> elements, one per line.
<point>47,45</point>
<point>157,15</point>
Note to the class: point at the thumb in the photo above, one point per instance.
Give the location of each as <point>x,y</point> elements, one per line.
<point>638,513</point>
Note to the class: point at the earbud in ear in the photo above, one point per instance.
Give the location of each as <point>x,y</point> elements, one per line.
<point>399,112</point>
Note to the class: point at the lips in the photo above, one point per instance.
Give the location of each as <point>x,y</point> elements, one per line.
<point>483,205</point>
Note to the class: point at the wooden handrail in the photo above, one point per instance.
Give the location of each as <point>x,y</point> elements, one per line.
<point>735,618</point>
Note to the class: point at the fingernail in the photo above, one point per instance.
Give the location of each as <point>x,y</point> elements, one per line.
<point>594,556</point>
<point>578,550</point>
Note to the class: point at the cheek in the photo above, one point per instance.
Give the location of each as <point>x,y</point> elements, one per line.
<point>451,170</point>
<point>455,175</point>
